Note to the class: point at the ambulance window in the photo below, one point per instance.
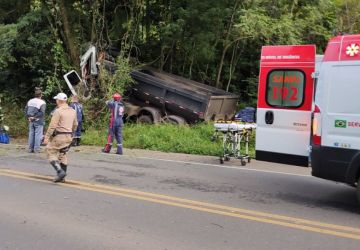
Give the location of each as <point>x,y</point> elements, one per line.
<point>285,88</point>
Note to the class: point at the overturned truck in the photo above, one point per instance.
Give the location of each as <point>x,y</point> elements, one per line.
<point>157,97</point>
<point>165,97</point>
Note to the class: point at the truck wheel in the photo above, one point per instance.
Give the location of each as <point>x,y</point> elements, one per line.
<point>176,120</point>
<point>144,119</point>
<point>358,190</point>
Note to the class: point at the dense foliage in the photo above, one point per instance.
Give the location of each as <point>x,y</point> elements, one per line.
<point>215,42</point>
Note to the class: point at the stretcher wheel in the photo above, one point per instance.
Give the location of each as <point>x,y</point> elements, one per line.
<point>243,162</point>
<point>227,158</point>
<point>249,159</point>
<point>221,160</point>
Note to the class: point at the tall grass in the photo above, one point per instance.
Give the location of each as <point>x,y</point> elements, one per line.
<point>16,120</point>
<point>195,139</point>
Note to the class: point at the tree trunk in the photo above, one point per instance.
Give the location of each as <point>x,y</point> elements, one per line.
<point>147,21</point>
<point>218,83</point>
<point>191,61</point>
<point>68,35</point>
<point>227,44</point>
<point>95,16</point>
<point>162,58</point>
<point>231,68</point>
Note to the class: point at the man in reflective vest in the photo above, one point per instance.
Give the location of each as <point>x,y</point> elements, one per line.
<point>80,118</point>
<point>116,124</point>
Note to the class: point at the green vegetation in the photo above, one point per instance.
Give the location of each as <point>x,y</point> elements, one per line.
<point>167,138</point>
<point>14,118</point>
<point>196,139</point>
<point>210,41</point>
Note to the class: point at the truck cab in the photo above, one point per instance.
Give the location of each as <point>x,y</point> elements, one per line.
<point>309,108</point>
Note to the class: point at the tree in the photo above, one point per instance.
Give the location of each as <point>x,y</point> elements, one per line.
<point>214,42</point>
<point>349,16</point>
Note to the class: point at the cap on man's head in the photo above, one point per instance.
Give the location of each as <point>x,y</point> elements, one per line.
<point>61,97</point>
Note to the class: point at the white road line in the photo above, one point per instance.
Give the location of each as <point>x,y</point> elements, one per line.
<point>204,164</point>
<point>213,165</point>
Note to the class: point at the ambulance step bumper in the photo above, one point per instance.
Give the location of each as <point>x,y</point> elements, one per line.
<point>336,164</point>
<point>297,160</point>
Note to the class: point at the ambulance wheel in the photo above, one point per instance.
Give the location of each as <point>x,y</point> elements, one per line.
<point>243,162</point>
<point>358,190</point>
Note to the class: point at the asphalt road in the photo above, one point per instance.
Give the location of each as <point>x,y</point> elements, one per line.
<point>114,202</point>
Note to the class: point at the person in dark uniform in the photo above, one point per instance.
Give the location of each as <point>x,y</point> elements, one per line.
<point>116,124</point>
<point>80,118</point>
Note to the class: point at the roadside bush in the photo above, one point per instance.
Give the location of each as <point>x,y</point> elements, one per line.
<point>15,119</point>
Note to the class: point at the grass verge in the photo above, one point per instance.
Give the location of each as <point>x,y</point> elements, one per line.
<point>196,139</point>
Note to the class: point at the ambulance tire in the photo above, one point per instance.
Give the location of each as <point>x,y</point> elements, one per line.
<point>358,190</point>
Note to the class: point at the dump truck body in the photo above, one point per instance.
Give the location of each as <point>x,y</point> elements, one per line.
<point>182,97</point>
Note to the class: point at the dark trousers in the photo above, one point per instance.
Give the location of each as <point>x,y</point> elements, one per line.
<point>77,133</point>
<point>115,133</point>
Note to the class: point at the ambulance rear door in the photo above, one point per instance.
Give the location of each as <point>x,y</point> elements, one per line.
<point>285,96</point>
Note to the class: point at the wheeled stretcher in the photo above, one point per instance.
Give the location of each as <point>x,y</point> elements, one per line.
<point>234,136</point>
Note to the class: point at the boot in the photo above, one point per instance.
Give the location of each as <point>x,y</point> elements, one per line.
<point>107,148</point>
<point>60,172</point>
<point>119,150</point>
<point>73,143</point>
<point>64,168</point>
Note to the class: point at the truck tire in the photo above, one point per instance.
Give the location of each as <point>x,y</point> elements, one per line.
<point>149,115</point>
<point>145,119</point>
<point>176,120</point>
<point>358,190</point>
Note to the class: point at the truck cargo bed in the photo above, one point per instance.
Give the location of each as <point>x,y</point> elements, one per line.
<point>180,96</point>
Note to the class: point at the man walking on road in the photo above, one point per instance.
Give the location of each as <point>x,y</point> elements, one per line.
<point>35,113</point>
<point>80,118</point>
<point>59,135</point>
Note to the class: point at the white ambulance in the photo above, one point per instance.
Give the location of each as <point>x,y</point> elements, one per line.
<point>309,103</point>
